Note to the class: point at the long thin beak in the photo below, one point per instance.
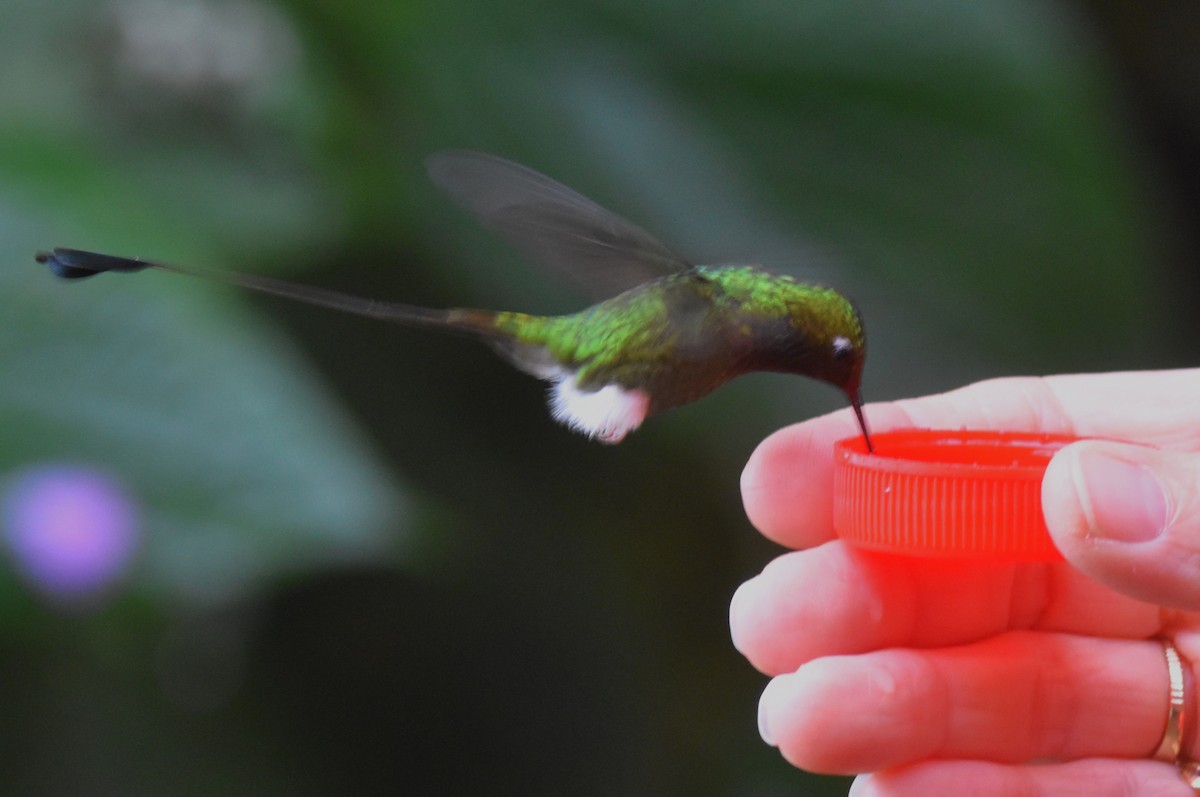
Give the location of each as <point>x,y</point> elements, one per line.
<point>856,403</point>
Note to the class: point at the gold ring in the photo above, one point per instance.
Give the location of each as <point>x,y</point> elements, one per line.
<point>1171,747</point>
<point>1176,744</point>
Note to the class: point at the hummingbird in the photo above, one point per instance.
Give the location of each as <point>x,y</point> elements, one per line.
<point>670,331</point>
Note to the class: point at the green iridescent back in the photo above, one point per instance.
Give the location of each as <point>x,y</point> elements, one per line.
<point>681,336</point>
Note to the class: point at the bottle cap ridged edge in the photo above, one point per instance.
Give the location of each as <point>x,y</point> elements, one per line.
<point>903,499</point>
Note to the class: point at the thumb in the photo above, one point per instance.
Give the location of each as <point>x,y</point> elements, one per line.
<point>1129,516</point>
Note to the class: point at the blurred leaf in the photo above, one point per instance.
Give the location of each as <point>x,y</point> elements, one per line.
<point>150,132</point>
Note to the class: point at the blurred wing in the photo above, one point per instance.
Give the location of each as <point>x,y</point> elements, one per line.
<point>551,224</point>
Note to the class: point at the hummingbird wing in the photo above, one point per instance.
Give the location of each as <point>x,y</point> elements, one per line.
<point>551,224</point>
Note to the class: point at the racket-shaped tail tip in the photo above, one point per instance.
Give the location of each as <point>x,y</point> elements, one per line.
<point>71,264</point>
<point>56,266</point>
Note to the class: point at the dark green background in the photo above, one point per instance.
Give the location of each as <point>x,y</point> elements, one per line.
<point>372,563</point>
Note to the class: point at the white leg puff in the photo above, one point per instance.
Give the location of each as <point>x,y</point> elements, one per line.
<point>607,414</point>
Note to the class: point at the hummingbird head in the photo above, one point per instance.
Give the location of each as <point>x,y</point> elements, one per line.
<point>834,347</point>
<point>827,338</point>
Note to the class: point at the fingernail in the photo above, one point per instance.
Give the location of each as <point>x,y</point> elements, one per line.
<point>1121,500</point>
<point>764,726</point>
<point>764,703</point>
<point>735,615</point>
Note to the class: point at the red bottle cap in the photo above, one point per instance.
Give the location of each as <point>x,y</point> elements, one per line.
<point>946,493</point>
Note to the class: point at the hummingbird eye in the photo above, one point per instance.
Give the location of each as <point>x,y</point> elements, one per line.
<point>843,347</point>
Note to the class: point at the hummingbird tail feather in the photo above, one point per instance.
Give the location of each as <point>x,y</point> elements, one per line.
<point>78,264</point>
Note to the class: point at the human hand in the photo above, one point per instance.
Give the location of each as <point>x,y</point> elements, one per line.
<point>951,677</point>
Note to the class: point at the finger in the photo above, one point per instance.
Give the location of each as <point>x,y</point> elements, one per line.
<point>787,484</point>
<point>1014,698</point>
<point>1102,777</point>
<point>1130,517</point>
<point>834,600</point>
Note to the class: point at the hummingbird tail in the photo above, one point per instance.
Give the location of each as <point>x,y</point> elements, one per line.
<point>78,264</point>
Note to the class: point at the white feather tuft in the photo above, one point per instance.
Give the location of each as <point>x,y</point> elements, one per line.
<point>607,414</point>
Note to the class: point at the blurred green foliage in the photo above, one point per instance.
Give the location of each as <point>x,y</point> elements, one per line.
<point>372,564</point>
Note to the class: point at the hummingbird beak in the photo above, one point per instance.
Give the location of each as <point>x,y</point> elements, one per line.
<point>856,403</point>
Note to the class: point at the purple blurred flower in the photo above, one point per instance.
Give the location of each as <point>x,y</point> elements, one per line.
<point>71,530</point>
